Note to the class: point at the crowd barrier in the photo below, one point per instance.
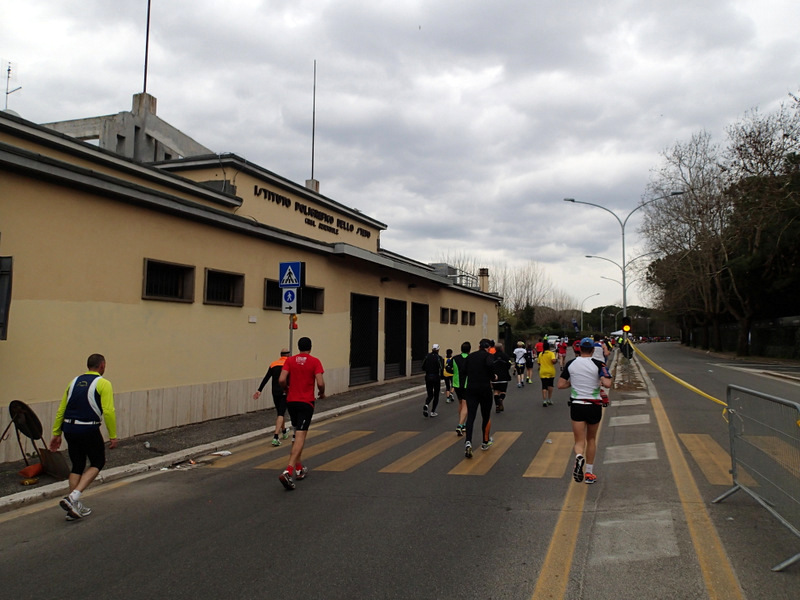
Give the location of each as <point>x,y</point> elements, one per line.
<point>765,444</point>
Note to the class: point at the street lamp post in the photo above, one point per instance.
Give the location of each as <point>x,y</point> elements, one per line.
<point>622,224</point>
<point>584,300</point>
<point>601,319</point>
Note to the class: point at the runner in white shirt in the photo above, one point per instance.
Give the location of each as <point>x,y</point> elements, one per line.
<point>519,363</point>
<point>585,376</point>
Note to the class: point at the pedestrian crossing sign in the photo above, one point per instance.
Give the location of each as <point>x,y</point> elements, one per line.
<point>290,275</point>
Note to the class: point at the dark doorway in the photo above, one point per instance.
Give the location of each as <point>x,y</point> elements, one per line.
<point>419,335</point>
<point>363,339</point>
<point>395,329</point>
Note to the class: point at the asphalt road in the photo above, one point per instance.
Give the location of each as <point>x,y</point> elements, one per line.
<point>360,527</point>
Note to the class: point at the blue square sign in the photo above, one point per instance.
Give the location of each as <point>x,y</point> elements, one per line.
<point>290,274</point>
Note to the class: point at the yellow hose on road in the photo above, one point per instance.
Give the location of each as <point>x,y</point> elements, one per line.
<point>680,381</point>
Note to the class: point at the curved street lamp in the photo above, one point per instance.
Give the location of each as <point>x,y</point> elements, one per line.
<point>584,300</point>
<point>622,224</point>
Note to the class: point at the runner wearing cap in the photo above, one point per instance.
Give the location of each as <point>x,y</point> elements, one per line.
<point>585,376</point>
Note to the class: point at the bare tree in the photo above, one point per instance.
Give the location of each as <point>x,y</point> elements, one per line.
<point>722,245</point>
<point>682,232</point>
<point>520,284</point>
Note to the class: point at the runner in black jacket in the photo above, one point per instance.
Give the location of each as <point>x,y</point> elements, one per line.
<point>502,364</point>
<point>479,374</point>
<point>433,365</point>
<point>460,384</point>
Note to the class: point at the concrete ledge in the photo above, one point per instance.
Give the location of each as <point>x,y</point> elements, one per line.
<point>55,490</point>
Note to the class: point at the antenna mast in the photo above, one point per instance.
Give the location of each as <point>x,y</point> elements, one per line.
<point>146,48</point>
<point>8,80</point>
<point>313,119</point>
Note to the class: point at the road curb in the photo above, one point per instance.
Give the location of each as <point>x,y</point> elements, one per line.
<point>60,488</point>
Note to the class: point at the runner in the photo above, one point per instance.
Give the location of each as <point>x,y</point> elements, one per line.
<point>278,396</point>
<point>519,363</point>
<point>547,373</point>
<point>433,366</point>
<point>529,363</point>
<point>479,374</point>
<point>300,373</point>
<point>448,375</point>
<point>585,376</point>
<point>562,352</point>
<point>460,384</point>
<point>87,402</point>
<point>502,364</point>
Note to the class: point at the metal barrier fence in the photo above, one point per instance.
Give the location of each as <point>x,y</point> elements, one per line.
<point>765,455</point>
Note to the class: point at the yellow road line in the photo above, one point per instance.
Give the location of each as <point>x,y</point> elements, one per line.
<point>718,575</point>
<point>782,453</point>
<point>419,457</point>
<point>483,461</point>
<point>554,576</point>
<point>712,459</point>
<point>253,449</point>
<point>549,460</point>
<point>317,449</point>
<point>358,456</point>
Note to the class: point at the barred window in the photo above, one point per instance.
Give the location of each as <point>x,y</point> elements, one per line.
<point>223,288</point>
<point>312,299</point>
<point>273,299</point>
<point>444,315</point>
<point>453,316</point>
<point>168,281</point>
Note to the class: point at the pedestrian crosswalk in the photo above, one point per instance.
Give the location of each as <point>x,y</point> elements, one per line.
<point>552,460</point>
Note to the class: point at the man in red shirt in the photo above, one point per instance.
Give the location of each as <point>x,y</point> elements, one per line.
<point>300,373</point>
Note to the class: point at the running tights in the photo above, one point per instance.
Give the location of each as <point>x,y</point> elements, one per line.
<point>483,400</point>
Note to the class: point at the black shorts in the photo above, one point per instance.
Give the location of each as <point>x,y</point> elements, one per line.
<point>85,445</point>
<point>500,386</point>
<point>520,369</point>
<point>300,413</point>
<point>448,382</point>
<point>461,393</point>
<point>279,399</point>
<point>547,382</point>
<point>591,414</point>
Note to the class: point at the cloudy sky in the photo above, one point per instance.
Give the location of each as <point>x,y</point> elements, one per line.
<point>461,124</point>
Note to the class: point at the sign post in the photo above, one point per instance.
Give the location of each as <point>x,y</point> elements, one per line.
<point>291,276</point>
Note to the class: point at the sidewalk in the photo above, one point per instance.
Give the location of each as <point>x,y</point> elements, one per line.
<point>176,446</point>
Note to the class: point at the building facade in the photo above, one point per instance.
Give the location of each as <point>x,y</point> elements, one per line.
<point>171,270</point>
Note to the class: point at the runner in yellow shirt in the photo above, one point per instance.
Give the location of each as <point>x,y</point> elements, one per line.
<point>547,373</point>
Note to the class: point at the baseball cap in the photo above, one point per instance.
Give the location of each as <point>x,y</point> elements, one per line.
<point>436,346</point>
<point>587,343</point>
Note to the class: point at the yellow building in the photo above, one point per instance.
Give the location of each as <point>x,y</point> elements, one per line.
<point>170,269</point>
